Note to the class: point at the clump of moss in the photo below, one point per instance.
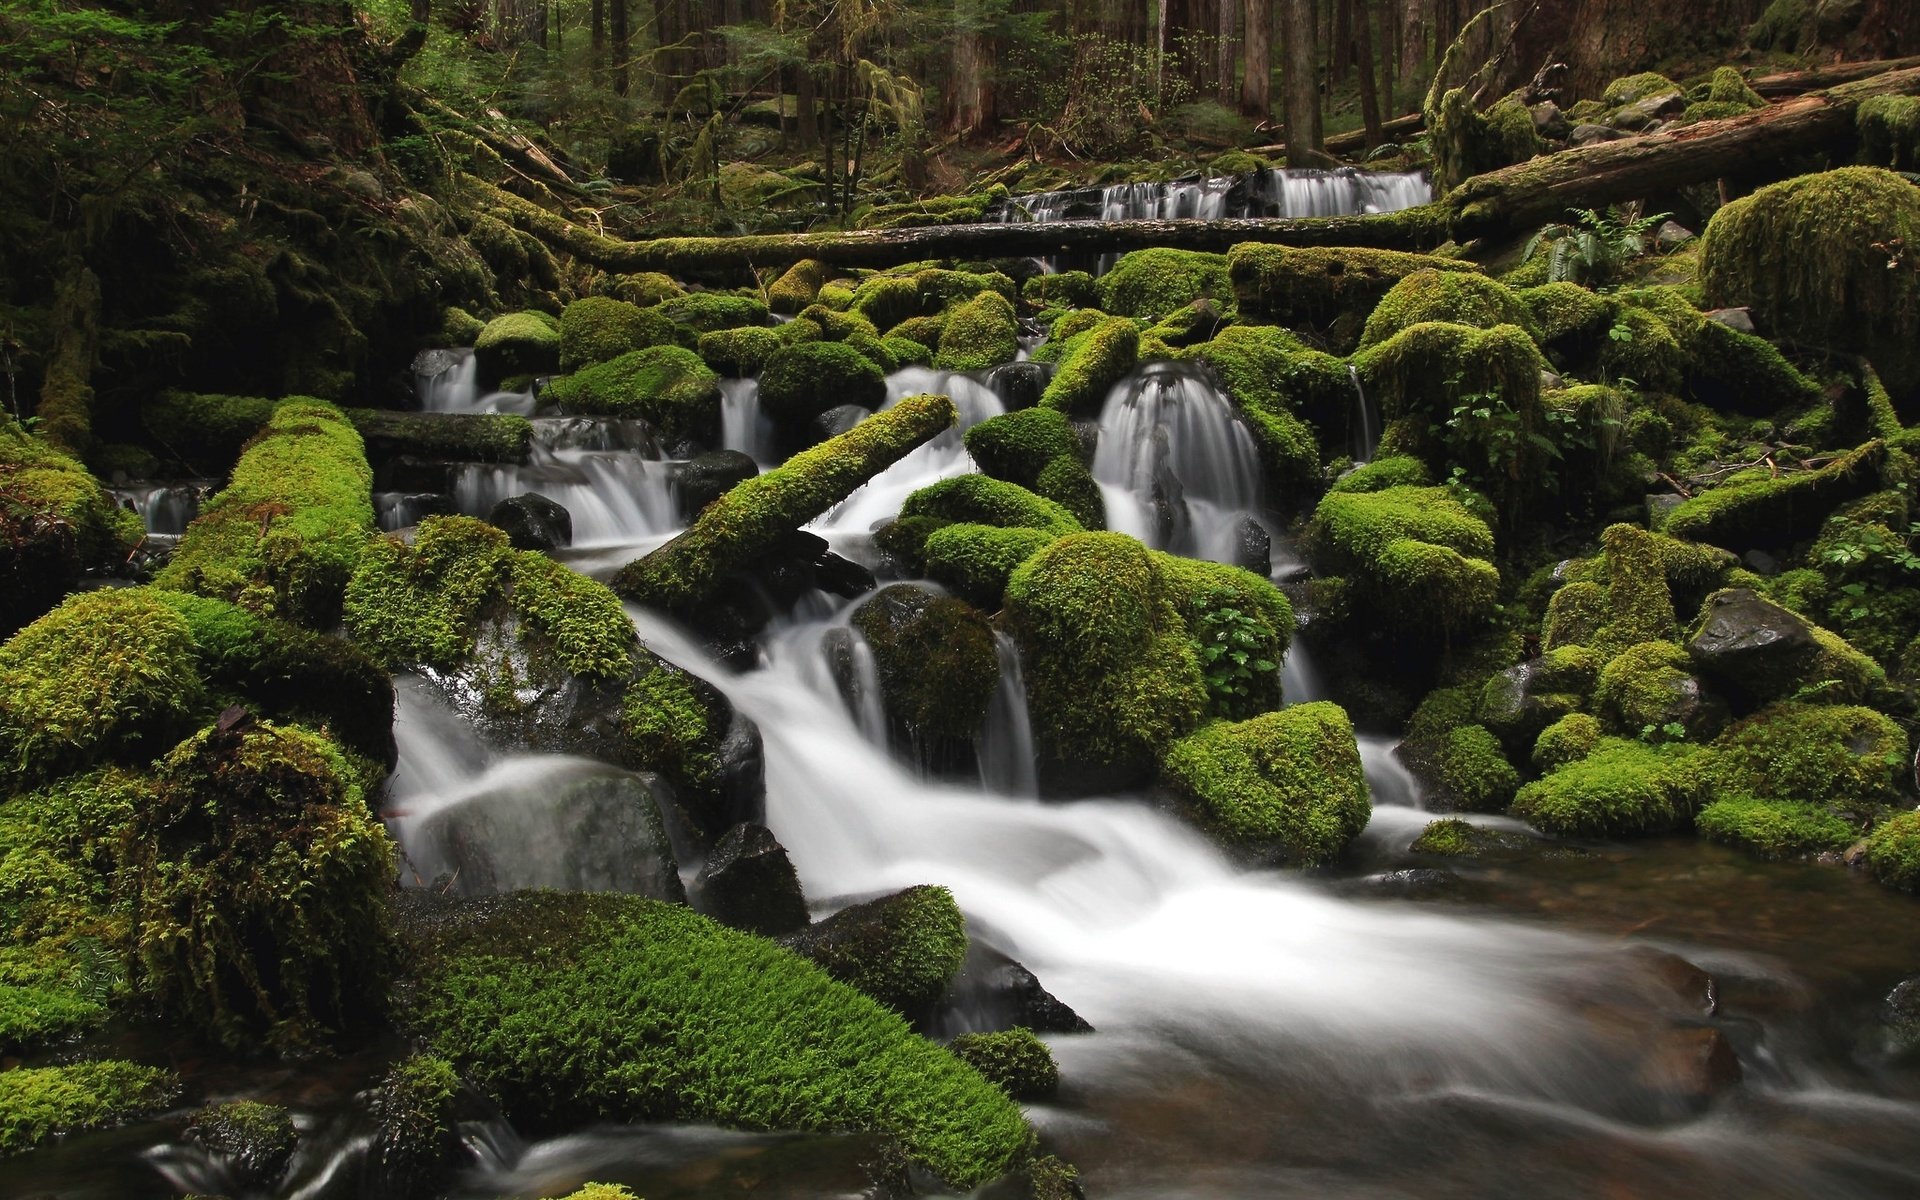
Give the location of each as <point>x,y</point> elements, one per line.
<point>453,437</point>
<point>1455,297</point>
<point>598,329</point>
<point>801,382</point>
<point>1844,758</point>
<point>1893,853</point>
<point>261,880</point>
<point>1091,362</point>
<point>1285,784</point>
<point>413,1118</point>
<point>984,500</point>
<point>1273,380</point>
<point>256,1139</point>
<point>668,387</point>
<point>1297,286</point>
<point>1890,132</point>
<point>1474,774</point>
<point>106,674</point>
<point>522,343</point>
<point>1632,89</point>
<point>285,534</point>
<point>1015,1061</point>
<point>1806,255</point>
<point>1569,739</point>
<point>1062,289</point>
<point>937,662</point>
<point>56,521</point>
<point>1567,316</point>
<point>1036,449</point>
<point>705,312</point>
<point>1420,553</point>
<point>204,429</point>
<point>739,353</point>
<point>980,333</point>
<point>1651,684</point>
<point>574,1007</point>
<point>1468,142</point>
<point>1773,829</point>
<point>1455,838</point>
<point>38,1104</point>
<point>644,288</point>
<point>1621,788</point>
<point>901,949</point>
<point>977,560</point>
<point>1773,511</point>
<point>798,286</point>
<point>1158,281</point>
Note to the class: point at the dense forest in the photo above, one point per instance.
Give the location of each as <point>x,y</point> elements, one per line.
<point>1212,598</point>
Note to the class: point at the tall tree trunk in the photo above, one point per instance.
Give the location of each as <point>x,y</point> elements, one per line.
<point>1369,85</point>
<point>1225,88</point>
<point>970,98</point>
<point>1341,34</point>
<point>1302,58</point>
<point>806,111</point>
<point>1256,86</point>
<point>1386,45</point>
<point>1413,44</point>
<point>622,45</point>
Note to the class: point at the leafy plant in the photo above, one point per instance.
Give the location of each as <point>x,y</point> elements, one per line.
<point>1231,654</point>
<point>1660,735</point>
<point>1594,248</point>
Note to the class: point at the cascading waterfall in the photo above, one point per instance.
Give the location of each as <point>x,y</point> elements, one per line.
<point>591,466</point>
<point>1268,193</point>
<point>1175,466</point>
<point>165,508</point>
<point>1005,744</point>
<point>1366,432</point>
<point>743,426</point>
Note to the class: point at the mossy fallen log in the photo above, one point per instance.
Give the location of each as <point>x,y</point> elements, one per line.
<point>1534,193</point>
<point>1798,83</point>
<point>741,525</point>
<point>464,437</point>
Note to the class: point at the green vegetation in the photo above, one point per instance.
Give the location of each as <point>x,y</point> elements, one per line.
<point>598,329</point>
<point>1842,758</point>
<point>55,522</point>
<point>522,343</point>
<point>1569,739</point>
<point>1893,852</point>
<point>902,949</point>
<point>937,662</point>
<point>1015,1061</point>
<point>1091,362</point>
<point>1286,784</point>
<point>1300,286</point>
<point>801,382</point>
<point>1157,282</point>
<point>1768,510</point>
<point>980,333</point>
<point>1455,297</point>
<point>977,560</point>
<point>1621,788</point>
<point>739,353</point>
<point>1036,448</point>
<point>1420,554</point>
<point>666,386</point>
<point>1773,828</point>
<point>983,500</point>
<point>576,1007</point>
<point>41,1103</point>
<point>1474,772</point>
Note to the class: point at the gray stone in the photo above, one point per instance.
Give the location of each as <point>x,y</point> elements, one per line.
<point>1588,135</point>
<point>1753,645</point>
<point>749,883</point>
<point>533,522</point>
<point>1760,562</point>
<point>429,364</point>
<point>1521,701</point>
<point>1642,115</point>
<point>706,477</point>
<point>1671,236</point>
<point>1253,549</point>
<point>1738,319</point>
<point>1549,122</point>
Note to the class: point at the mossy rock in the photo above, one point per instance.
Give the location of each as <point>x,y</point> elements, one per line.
<point>1567,740</point>
<point>666,386</point>
<point>1423,554</point>
<point>415,1138</point>
<point>1455,297</point>
<point>1014,1060</point>
<point>983,500</point>
<point>284,535</point>
<point>1285,785</point>
<point>706,312</point>
<point>1890,132</point>
<point>1091,362</point>
<point>901,949</point>
<point>1804,256</point>
<point>977,560</point>
<point>1062,289</point>
<point>1297,286</point>
<point>739,353</point>
<point>1282,390</point>
<point>255,1140</point>
<point>644,288</point>
<point>657,1013</point>
<point>1568,317</point>
<point>1773,829</point>
<point>801,382</point>
<point>1158,281</point>
<point>107,675</point>
<point>42,1103</point>
<point>262,876</point>
<point>522,343</point>
<point>1473,772</point>
<point>441,436</point>
<point>1893,852</point>
<point>1621,789</point>
<point>980,333</point>
<point>1454,838</point>
<point>206,430</point>
<point>937,663</point>
<point>599,329</point>
<point>798,286</point>
<point>1743,514</point>
<point>1632,89</point>
<point>1468,142</point>
<point>1846,759</point>
<point>1651,685</point>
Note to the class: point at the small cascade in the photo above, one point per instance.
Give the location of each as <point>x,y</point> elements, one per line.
<point>1268,193</point>
<point>1366,431</point>
<point>1175,466</point>
<point>595,469</point>
<point>945,456</point>
<point>450,383</point>
<point>1341,193</point>
<point>165,508</point>
<point>743,426</point>
<point>1005,744</point>
<point>403,510</point>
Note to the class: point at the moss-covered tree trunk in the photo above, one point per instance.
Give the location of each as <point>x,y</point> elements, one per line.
<point>66,394</point>
<point>1302,52</point>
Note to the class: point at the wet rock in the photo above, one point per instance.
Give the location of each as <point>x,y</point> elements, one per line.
<point>1659,504</point>
<point>749,883</point>
<point>1588,135</point>
<point>1688,1065</point>
<point>251,1141</point>
<point>415,1146</point>
<point>1521,701</point>
<point>430,364</point>
<point>836,421</point>
<point>1019,384</point>
<point>994,992</point>
<point>1549,122</point>
<point>598,831</point>
<point>1253,549</point>
<point>1760,562</point>
<point>1752,644</point>
<point>842,577</point>
<point>1689,983</point>
<point>938,668</point>
<point>706,477</point>
<point>901,949</point>
<point>1900,1020</point>
<point>409,473</point>
<point>1408,883</point>
<point>533,522</point>
<point>1740,320</point>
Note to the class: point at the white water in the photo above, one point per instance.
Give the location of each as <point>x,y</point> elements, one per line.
<point>165,507</point>
<point>1175,466</point>
<point>596,468</point>
<point>1366,434</point>
<point>743,426</point>
<point>457,390</point>
<point>1271,193</point>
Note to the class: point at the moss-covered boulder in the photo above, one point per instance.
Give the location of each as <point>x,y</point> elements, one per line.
<point>705,312</point>
<point>1890,132</point>
<point>522,343</point>
<point>1620,789</point>
<point>980,333</point>
<point>598,329</point>
<point>1773,829</point>
<point>416,1143</point>
<point>255,1141</point>
<point>261,879</point>
<point>42,1103</point>
<point>976,561</point>
<point>1893,852</point>
<point>739,353</point>
<point>901,949</point>
<point>1284,786</point>
<point>284,535</point>
<point>938,669</point>
<point>1845,759</point>
<point>1091,362</point>
<point>1014,1060</point>
<point>1455,297</point>
<point>644,288</point>
<point>1651,687</point>
<point>984,500</point>
<point>579,1007</point>
<point>1036,448</point>
<point>1762,652</point>
<point>56,522</point>
<point>798,286</point>
<point>1158,281</point>
<point>1468,142</point>
<point>801,382</point>
<point>1283,391</point>
<point>1061,289</point>
<point>1422,558</point>
<point>1764,509</point>
<point>668,387</point>
<point>1317,287</point>
<point>1810,257</point>
<point>1569,739</point>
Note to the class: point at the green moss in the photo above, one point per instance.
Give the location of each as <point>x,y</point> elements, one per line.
<point>801,382</point>
<point>902,949</point>
<point>1241,625</point>
<point>1287,783</point>
<point>284,535</point>
<point>1065,289</point>
<point>1091,362</point>
<point>449,437</point>
<point>1156,282</point>
<point>55,522</point>
<point>458,327</point>
<point>1567,740</point>
<point>1015,1061</point>
<point>1620,789</point>
<point>1454,297</point>
<point>745,522</point>
<point>739,353</point>
<point>599,329</point>
<point>670,726</point>
<point>522,343</point>
<point>1429,369</point>
<point>963,209</point>
<point>906,352</point>
<point>980,333</point>
<point>1442,711</point>
<point>412,1111</point>
<point>977,560</point>
<point>1455,838</point>
<point>644,288</point>
<point>1773,829</point>
<point>1711,110</point>
<point>1468,142</point>
<point>666,386</point>
<point>1017,446</point>
<point>1474,771</point>
<point>1784,26</point>
<point>41,1103</point>
<point>254,1139</point>
<point>1740,372</point>
<point>107,674</point>
<point>1843,758</point>
<point>840,326</point>
<point>1805,256</point>
<point>924,330</point>
<point>706,312</point>
<point>798,286</point>
<point>1893,853</point>
<point>1648,684</point>
<point>936,659</point>
<point>1420,552</point>
<point>601,1191</point>
<point>577,1007</point>
<point>1774,511</point>
<point>1568,316</point>
<point>1890,132</point>
<point>1316,286</point>
<point>983,500</point>
<point>1634,88</point>
<point>206,431</point>
<point>261,880</point>
<point>1272,379</point>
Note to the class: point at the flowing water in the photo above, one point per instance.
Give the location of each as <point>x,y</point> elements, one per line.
<point>1268,193</point>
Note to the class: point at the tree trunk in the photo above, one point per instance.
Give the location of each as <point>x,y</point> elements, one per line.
<point>597,52</point>
<point>1225,88</point>
<point>622,45</point>
<point>1256,87</point>
<point>1369,86</point>
<point>1302,79</point>
<point>1534,193</point>
<point>1413,43</point>
<point>1601,40</point>
<point>1798,83</point>
<point>1341,34</point>
<point>971,104</point>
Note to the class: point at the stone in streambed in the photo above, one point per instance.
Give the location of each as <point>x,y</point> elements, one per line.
<point>254,1141</point>
<point>533,522</point>
<point>706,477</point>
<point>749,883</point>
<point>901,949</point>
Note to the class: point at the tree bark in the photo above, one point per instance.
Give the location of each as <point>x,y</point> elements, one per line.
<point>971,105</point>
<point>1534,193</point>
<point>1256,87</point>
<point>622,45</point>
<point>1798,83</point>
<point>1225,87</point>
<point>1369,79</point>
<point>1413,42</point>
<point>1302,76</point>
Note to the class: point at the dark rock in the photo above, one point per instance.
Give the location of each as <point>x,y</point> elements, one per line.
<point>1588,135</point>
<point>533,522</point>
<point>1659,504</point>
<point>1019,384</point>
<point>706,477</point>
<point>1521,701</point>
<point>1753,645</point>
<point>1671,236</point>
<point>598,831</point>
<point>1900,1020</point>
<point>408,473</point>
<point>1688,1064</point>
<point>902,949</point>
<point>938,668</point>
<point>1254,547</point>
<point>993,992</point>
<point>1549,122</point>
<point>251,1141</point>
<point>1760,562</point>
<point>836,421</point>
<point>430,364</point>
<point>1737,319</point>
<point>842,577</point>
<point>749,883</point>
<point>1642,115</point>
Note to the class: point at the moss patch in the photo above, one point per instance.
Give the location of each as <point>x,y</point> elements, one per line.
<point>39,1104</point>
<point>1622,788</point>
<point>1158,281</point>
<point>801,382</point>
<point>668,387</point>
<point>980,333</point>
<point>1015,1061</point>
<point>1287,783</point>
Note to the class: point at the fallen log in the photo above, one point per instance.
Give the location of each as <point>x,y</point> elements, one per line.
<point>1543,190</point>
<point>1798,83</point>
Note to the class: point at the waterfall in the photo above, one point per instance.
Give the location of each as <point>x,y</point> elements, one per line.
<point>1267,193</point>
<point>1175,466</point>
<point>595,469</point>
<point>165,508</point>
<point>456,389</point>
<point>743,426</point>
<point>1366,436</point>
<point>1005,744</point>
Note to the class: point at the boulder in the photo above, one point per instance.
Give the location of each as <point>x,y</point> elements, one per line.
<point>533,522</point>
<point>901,949</point>
<point>706,477</point>
<point>251,1142</point>
<point>749,883</point>
<point>992,991</point>
<point>1588,135</point>
<point>1753,645</point>
<point>1900,1020</point>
